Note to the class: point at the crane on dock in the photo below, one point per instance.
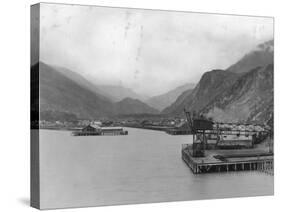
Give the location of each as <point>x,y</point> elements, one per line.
<point>198,128</point>
<point>208,134</point>
<point>188,119</point>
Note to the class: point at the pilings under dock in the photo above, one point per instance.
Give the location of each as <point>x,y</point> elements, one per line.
<point>209,163</point>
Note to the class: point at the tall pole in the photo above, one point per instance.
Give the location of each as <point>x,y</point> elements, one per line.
<point>204,143</point>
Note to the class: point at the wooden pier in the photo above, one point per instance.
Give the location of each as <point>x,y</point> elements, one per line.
<point>93,130</point>
<point>228,160</point>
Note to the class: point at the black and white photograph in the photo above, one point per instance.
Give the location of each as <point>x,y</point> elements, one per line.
<point>133,106</point>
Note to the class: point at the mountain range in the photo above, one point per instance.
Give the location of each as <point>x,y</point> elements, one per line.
<point>262,55</point>
<point>250,98</point>
<point>242,92</point>
<point>117,93</point>
<point>134,106</point>
<point>59,93</point>
<point>66,94</point>
<point>114,93</point>
<point>210,85</point>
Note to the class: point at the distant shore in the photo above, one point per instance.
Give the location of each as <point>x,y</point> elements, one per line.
<point>157,128</point>
<point>59,128</point>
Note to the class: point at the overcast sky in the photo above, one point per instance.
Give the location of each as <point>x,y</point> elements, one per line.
<point>147,50</point>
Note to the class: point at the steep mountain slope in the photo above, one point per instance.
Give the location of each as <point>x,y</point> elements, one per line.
<point>82,81</point>
<point>250,98</point>
<point>261,56</point>
<point>114,93</point>
<point>65,95</point>
<point>244,92</point>
<point>180,101</point>
<point>210,85</point>
<point>59,93</point>
<point>133,106</point>
<point>162,101</point>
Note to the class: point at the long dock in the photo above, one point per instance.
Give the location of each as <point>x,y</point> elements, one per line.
<point>228,160</point>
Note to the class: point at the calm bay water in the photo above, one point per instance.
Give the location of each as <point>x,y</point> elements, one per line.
<point>144,166</point>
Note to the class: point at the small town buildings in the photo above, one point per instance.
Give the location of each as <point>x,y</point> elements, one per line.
<point>235,141</point>
<point>181,129</point>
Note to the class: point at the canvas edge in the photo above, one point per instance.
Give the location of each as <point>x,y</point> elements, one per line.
<point>34,108</point>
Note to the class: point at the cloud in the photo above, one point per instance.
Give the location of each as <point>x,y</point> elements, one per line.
<point>149,51</point>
